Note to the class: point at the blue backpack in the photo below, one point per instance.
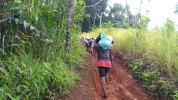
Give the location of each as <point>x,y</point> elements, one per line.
<point>104,43</point>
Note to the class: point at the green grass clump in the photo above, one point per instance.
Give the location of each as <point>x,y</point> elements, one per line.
<point>26,76</point>
<point>153,82</point>
<point>30,78</point>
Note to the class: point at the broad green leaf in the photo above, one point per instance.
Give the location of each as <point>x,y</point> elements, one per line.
<point>9,16</point>
<point>15,6</point>
<point>22,14</point>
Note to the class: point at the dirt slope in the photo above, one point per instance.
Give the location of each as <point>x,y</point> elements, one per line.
<point>121,86</point>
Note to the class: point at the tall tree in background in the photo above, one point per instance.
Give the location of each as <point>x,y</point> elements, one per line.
<point>129,18</point>
<point>119,15</point>
<point>116,15</point>
<point>138,15</point>
<point>176,11</point>
<point>93,7</point>
<point>127,9</point>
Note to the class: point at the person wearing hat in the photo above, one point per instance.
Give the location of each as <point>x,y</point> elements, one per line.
<point>103,47</point>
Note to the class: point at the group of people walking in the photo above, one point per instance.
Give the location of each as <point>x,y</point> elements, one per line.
<point>103,46</point>
<point>89,43</point>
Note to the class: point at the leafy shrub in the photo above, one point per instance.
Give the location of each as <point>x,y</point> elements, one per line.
<point>175,96</point>
<point>143,24</point>
<point>30,78</point>
<point>136,67</point>
<point>155,84</point>
<point>107,25</point>
<point>35,65</point>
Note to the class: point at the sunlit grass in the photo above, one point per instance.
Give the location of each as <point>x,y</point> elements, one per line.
<point>157,45</point>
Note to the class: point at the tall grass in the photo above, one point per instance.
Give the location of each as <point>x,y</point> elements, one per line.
<point>163,50</point>
<point>158,45</point>
<point>33,61</point>
<point>45,74</point>
<point>29,78</point>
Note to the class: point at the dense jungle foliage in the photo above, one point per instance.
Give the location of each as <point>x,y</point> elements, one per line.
<point>34,63</point>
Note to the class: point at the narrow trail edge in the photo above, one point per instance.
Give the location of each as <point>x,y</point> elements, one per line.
<point>122,86</point>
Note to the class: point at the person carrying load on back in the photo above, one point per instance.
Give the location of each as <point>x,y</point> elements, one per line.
<point>82,40</point>
<point>85,41</point>
<point>103,47</point>
<point>91,46</point>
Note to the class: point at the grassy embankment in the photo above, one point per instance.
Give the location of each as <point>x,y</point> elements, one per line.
<point>156,48</point>
<point>44,72</point>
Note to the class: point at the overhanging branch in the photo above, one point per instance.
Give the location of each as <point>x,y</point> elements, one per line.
<point>94,4</point>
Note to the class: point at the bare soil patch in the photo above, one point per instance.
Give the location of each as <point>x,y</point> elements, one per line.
<point>122,86</point>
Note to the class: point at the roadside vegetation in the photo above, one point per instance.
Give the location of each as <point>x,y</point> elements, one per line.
<point>151,55</point>
<point>34,63</point>
<point>40,48</point>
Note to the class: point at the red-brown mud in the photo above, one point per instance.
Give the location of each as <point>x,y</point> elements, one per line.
<point>122,86</point>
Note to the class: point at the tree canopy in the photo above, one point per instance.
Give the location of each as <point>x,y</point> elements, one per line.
<point>99,10</point>
<point>92,19</point>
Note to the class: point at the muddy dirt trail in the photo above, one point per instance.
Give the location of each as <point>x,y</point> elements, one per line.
<point>121,86</point>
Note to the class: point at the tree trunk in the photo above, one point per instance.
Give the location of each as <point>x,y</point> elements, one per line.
<point>68,32</point>
<point>94,19</point>
<point>128,19</point>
